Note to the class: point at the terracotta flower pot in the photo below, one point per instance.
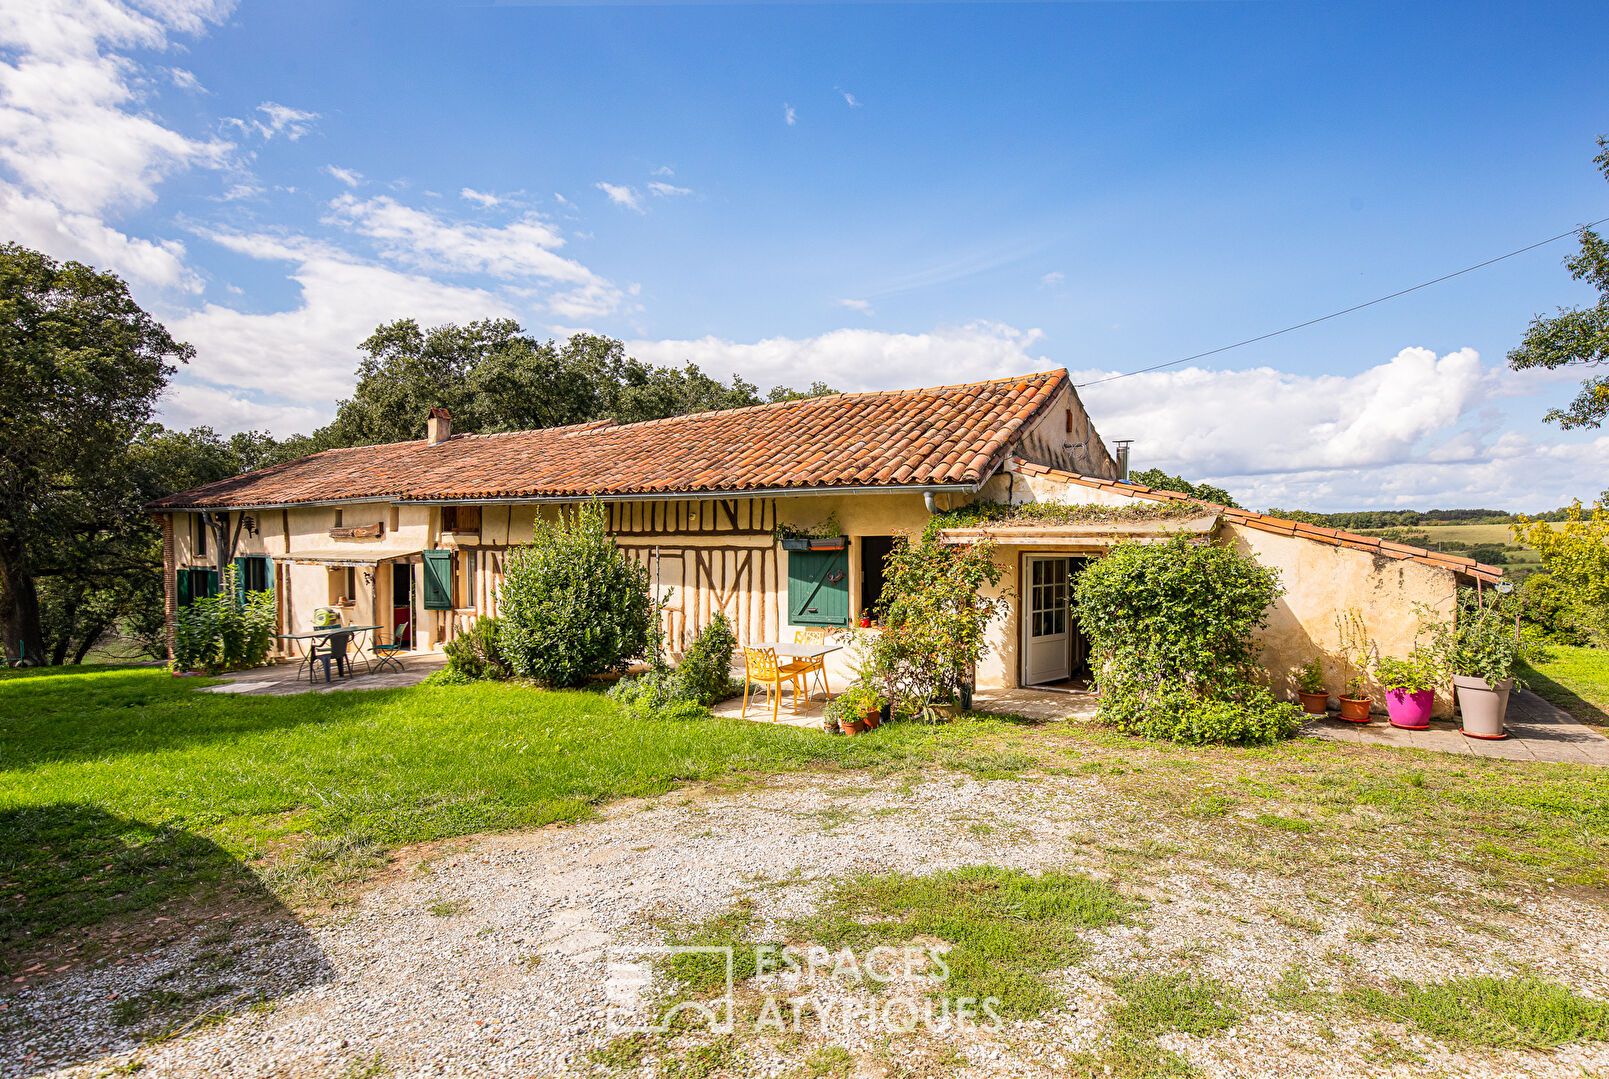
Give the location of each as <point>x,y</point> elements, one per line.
<point>1410,710</point>
<point>1483,707</point>
<point>853,726</point>
<point>872,718</point>
<point>1315,704</point>
<point>1355,709</point>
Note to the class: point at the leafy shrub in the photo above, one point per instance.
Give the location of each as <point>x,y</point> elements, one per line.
<point>1310,676</point>
<point>224,632</point>
<point>1170,628</point>
<point>705,672</point>
<point>933,620</point>
<point>573,604</point>
<point>1252,716</point>
<point>703,678</point>
<point>474,655</point>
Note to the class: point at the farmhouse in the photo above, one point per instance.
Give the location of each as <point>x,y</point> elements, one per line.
<point>413,535</point>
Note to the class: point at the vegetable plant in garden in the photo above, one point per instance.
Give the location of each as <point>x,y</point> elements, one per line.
<point>1171,628</point>
<point>573,605</point>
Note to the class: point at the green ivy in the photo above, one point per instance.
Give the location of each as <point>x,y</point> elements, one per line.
<point>1171,631</point>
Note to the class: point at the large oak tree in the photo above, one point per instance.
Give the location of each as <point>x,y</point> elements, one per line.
<point>81,367</point>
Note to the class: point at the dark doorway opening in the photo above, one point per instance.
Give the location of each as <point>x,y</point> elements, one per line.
<point>873,550</point>
<point>402,626</point>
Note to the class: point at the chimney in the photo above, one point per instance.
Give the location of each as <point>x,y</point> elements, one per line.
<point>1123,445</point>
<point>439,427</point>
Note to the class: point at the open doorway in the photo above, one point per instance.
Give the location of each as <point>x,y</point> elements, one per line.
<point>1055,652</point>
<point>403,622</point>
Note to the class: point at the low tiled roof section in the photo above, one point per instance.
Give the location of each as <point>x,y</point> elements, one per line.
<point>1264,523</point>
<point>946,435</point>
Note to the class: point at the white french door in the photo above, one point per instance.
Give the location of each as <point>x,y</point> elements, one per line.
<point>1046,649</point>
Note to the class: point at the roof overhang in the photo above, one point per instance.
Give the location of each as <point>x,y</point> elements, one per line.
<point>1091,534</point>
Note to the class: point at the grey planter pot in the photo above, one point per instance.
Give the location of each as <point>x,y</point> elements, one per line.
<point>1482,706</point>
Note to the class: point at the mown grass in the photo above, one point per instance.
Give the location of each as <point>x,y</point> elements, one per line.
<point>1575,679</point>
<point>124,788</point>
<point>1492,1013</point>
<point>1005,931</point>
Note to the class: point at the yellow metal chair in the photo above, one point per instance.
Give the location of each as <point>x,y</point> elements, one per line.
<point>817,666</point>
<point>760,668</point>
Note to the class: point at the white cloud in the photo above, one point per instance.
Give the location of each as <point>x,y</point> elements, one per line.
<point>863,359</point>
<point>188,404</point>
<point>663,170</point>
<point>668,189</point>
<point>849,99</point>
<point>522,250</point>
<point>863,306</point>
<point>349,177</point>
<point>479,198</point>
<point>74,144</point>
<point>621,195</point>
<point>1417,430</point>
<point>310,351</point>
<point>789,116</point>
<point>186,80</point>
<point>1052,279</point>
<point>275,120</point>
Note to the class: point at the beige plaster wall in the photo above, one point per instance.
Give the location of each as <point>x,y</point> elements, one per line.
<point>1321,582</point>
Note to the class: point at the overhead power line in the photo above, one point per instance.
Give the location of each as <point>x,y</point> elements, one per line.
<point>1347,310</point>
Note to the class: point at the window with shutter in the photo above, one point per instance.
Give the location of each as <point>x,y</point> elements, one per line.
<point>818,588</point>
<point>438,580</point>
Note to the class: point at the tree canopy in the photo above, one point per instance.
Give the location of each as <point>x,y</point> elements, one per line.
<point>81,367</point>
<point>1163,481</point>
<point>1578,335</point>
<point>492,376</point>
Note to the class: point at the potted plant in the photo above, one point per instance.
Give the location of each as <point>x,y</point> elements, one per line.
<point>1356,651</point>
<point>1410,686</point>
<point>1355,703</point>
<point>857,709</point>
<point>1483,652</point>
<point>1310,687</point>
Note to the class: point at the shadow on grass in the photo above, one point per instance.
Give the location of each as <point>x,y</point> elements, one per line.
<point>1557,693</point>
<point>64,714</point>
<point>84,889</point>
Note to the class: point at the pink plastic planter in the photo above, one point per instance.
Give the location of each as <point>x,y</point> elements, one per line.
<point>1411,711</point>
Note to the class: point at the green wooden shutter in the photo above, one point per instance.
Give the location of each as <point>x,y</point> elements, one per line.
<point>818,588</point>
<point>240,579</point>
<point>212,582</point>
<point>438,580</point>
<point>182,579</point>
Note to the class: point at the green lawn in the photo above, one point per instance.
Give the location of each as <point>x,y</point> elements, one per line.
<point>124,788</point>
<point>1575,679</point>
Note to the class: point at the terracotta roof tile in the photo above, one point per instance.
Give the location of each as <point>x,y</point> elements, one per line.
<point>1265,523</point>
<point>945,435</point>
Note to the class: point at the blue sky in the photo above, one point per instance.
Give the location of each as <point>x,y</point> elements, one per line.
<point>875,194</point>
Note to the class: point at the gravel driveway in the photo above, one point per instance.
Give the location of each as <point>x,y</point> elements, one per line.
<point>485,956</point>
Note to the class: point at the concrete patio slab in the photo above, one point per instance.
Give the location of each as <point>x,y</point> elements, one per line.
<point>1538,731</point>
<point>281,680</point>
